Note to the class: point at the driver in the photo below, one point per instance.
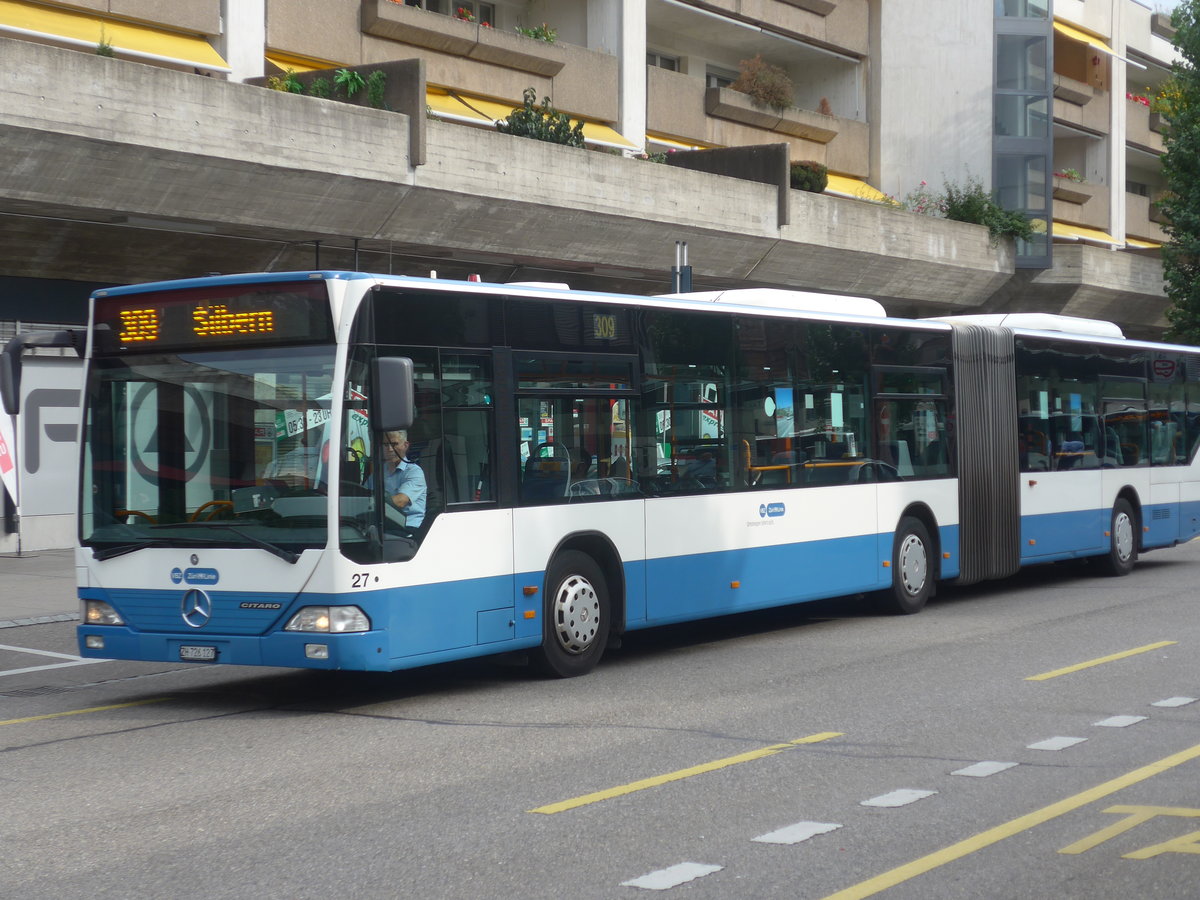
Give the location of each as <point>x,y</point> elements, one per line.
<point>403,481</point>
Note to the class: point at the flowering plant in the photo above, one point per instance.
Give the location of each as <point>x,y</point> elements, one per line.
<point>541,32</point>
<point>1137,98</point>
<point>465,14</point>
<point>924,201</point>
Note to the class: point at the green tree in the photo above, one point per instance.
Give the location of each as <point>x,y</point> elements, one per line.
<point>1180,103</point>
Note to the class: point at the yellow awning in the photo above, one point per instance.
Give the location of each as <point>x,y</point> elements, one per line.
<point>1137,244</point>
<point>593,132</point>
<point>294,63</point>
<point>84,30</point>
<point>1096,43</point>
<point>444,106</point>
<point>1063,231</point>
<point>853,188</point>
<point>604,136</point>
<point>674,143</point>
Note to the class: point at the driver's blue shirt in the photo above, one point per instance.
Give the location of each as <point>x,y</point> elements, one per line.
<point>407,478</point>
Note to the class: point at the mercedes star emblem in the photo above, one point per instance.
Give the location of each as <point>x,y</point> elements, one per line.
<point>196,608</point>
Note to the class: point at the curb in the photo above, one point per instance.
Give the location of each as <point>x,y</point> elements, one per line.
<point>39,620</point>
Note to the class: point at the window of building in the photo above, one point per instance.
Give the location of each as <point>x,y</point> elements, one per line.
<point>715,76</point>
<point>1023,9</point>
<point>482,13</point>
<point>662,61</point>
<point>1022,143</point>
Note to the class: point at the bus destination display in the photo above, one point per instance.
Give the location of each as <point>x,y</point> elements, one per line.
<point>215,317</point>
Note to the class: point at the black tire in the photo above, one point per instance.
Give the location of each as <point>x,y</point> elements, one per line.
<point>912,569</point>
<point>1122,541</point>
<point>576,616</point>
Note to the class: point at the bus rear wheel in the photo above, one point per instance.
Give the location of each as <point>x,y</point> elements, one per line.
<point>1122,540</point>
<point>912,569</point>
<point>575,616</point>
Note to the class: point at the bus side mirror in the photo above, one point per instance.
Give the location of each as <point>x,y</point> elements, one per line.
<point>392,393</point>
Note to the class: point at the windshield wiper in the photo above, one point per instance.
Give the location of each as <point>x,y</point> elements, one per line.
<point>288,556</point>
<point>122,549</point>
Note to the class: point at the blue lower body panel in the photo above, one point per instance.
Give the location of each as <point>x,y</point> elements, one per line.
<point>713,584</point>
<point>361,651</point>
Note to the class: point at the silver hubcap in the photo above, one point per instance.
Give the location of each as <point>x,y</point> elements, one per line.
<point>1123,536</point>
<point>576,613</point>
<point>914,565</point>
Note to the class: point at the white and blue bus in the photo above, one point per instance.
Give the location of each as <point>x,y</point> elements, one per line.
<point>591,463</point>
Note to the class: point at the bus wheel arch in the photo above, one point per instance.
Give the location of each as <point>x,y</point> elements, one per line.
<point>915,562</point>
<point>583,605</point>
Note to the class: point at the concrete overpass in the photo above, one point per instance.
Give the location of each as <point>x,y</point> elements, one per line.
<point>118,172</point>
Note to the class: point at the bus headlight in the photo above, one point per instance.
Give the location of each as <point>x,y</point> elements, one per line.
<point>329,620</point>
<point>97,612</point>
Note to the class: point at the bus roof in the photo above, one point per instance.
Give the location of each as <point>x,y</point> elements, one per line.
<point>777,298</point>
<point>1042,322</point>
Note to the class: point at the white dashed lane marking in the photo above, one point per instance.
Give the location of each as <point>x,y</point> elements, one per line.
<point>794,834</point>
<point>984,769</point>
<point>1175,701</point>
<point>1055,743</point>
<point>673,876</point>
<point>665,879</point>
<point>1119,721</point>
<point>902,797</point>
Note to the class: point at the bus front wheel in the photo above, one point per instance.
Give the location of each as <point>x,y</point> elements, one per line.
<point>912,568</point>
<point>1122,540</point>
<point>575,616</point>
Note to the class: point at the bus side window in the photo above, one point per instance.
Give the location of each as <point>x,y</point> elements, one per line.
<point>463,455</point>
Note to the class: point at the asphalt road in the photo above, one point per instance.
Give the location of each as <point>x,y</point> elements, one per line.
<point>812,752</point>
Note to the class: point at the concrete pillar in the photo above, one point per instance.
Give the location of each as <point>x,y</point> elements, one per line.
<point>1119,127</point>
<point>243,37</point>
<point>619,27</point>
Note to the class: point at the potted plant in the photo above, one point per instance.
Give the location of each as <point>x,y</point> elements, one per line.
<point>808,175</point>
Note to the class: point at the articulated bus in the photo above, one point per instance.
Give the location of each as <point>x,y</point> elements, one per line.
<point>585,464</point>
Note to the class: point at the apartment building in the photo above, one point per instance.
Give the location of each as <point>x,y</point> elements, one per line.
<point>184,164</point>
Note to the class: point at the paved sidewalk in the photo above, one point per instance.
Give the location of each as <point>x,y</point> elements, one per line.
<point>38,587</point>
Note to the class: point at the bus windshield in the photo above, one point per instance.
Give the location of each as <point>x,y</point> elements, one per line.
<point>224,449</point>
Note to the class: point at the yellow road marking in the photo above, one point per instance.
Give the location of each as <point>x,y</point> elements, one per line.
<point>681,774</point>
<point>984,839</point>
<point>80,712</point>
<point>1135,816</point>
<point>1045,676</point>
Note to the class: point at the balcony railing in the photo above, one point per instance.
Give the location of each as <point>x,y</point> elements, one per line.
<point>1143,219</point>
<point>1143,127</point>
<point>415,26</point>
<point>1078,92</point>
<point>1081,203</point>
<point>735,106</point>
<point>820,7</point>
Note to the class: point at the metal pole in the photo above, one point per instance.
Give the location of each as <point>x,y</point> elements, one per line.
<point>681,275</point>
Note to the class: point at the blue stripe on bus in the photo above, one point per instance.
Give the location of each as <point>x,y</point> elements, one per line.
<point>1064,534</point>
<point>424,624</point>
<point>1080,533</point>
